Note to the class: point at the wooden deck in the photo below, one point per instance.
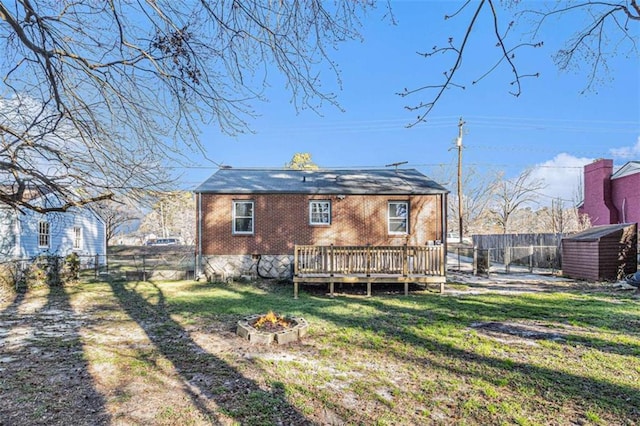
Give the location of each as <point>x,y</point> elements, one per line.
<point>369,264</point>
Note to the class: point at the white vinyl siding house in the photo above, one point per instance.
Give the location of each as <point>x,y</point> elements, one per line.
<point>8,233</point>
<point>29,234</point>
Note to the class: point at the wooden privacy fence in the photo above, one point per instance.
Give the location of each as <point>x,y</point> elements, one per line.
<point>368,264</point>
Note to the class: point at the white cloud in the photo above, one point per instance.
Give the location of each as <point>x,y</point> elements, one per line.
<point>563,177</point>
<point>626,152</point>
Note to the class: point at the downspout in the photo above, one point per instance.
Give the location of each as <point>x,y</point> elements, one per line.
<point>199,253</point>
<point>443,219</point>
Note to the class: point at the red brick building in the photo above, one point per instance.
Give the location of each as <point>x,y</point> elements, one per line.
<point>249,220</point>
<point>611,198</point>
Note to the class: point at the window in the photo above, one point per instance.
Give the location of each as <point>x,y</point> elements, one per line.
<point>319,212</point>
<point>77,237</point>
<point>398,215</point>
<point>43,234</point>
<point>243,217</point>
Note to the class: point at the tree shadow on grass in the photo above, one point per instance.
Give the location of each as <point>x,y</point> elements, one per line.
<point>206,375</point>
<point>556,316</point>
<point>549,383</point>
<point>398,321</point>
<point>46,379</point>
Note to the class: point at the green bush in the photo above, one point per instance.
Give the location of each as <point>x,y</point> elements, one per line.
<point>8,278</point>
<point>44,270</point>
<point>71,268</point>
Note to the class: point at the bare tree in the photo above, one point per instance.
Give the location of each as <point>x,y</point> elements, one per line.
<point>95,96</point>
<point>604,31</point>
<point>560,219</point>
<point>115,215</point>
<point>478,190</point>
<point>172,215</point>
<point>511,195</point>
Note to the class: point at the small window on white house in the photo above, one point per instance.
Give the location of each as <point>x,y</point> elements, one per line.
<point>398,217</point>
<point>320,212</point>
<point>243,217</point>
<point>43,234</point>
<point>77,237</point>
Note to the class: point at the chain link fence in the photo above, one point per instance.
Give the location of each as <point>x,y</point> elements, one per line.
<point>142,267</point>
<point>509,260</point>
<point>55,270</point>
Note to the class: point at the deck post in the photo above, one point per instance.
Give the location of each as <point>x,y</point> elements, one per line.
<point>331,287</point>
<point>369,288</point>
<point>295,271</point>
<point>405,260</point>
<point>406,288</point>
<point>331,260</point>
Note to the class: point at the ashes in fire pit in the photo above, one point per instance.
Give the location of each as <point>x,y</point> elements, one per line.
<point>269,328</point>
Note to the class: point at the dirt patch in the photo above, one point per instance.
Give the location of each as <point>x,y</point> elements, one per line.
<point>460,283</point>
<point>520,333</point>
<point>66,359</point>
<point>119,353</point>
<point>45,379</point>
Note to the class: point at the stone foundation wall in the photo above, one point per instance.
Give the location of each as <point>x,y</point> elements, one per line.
<point>228,267</point>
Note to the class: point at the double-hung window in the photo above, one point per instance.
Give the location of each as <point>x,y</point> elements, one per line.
<point>43,234</point>
<point>243,217</point>
<point>398,217</point>
<point>77,237</point>
<point>320,212</point>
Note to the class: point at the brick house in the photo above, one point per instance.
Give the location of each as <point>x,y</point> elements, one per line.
<point>611,198</point>
<point>249,220</point>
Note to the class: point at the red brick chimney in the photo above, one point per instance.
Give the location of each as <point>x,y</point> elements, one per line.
<point>598,203</point>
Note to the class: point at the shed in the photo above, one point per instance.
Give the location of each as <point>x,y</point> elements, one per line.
<point>602,253</point>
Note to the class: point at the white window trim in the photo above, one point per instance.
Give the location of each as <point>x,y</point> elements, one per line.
<point>389,218</point>
<point>234,217</point>
<point>77,237</point>
<point>311,221</point>
<point>41,234</point>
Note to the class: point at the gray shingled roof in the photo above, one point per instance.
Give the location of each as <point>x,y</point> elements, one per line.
<point>630,168</point>
<point>266,181</point>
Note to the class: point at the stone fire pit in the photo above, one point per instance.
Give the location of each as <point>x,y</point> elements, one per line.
<point>295,329</point>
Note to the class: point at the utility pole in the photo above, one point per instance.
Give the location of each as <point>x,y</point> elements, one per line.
<point>459,145</point>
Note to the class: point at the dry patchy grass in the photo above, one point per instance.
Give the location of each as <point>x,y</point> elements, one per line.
<point>167,353</point>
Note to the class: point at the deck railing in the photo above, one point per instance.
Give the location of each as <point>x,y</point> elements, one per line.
<point>369,260</point>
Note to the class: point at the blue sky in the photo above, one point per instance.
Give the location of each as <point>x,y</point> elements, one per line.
<point>551,126</point>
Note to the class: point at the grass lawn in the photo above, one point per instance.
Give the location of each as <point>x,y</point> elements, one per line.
<point>167,353</point>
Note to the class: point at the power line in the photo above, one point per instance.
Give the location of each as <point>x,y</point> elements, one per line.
<point>515,123</point>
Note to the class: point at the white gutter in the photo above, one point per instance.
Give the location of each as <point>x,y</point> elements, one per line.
<point>199,256</point>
